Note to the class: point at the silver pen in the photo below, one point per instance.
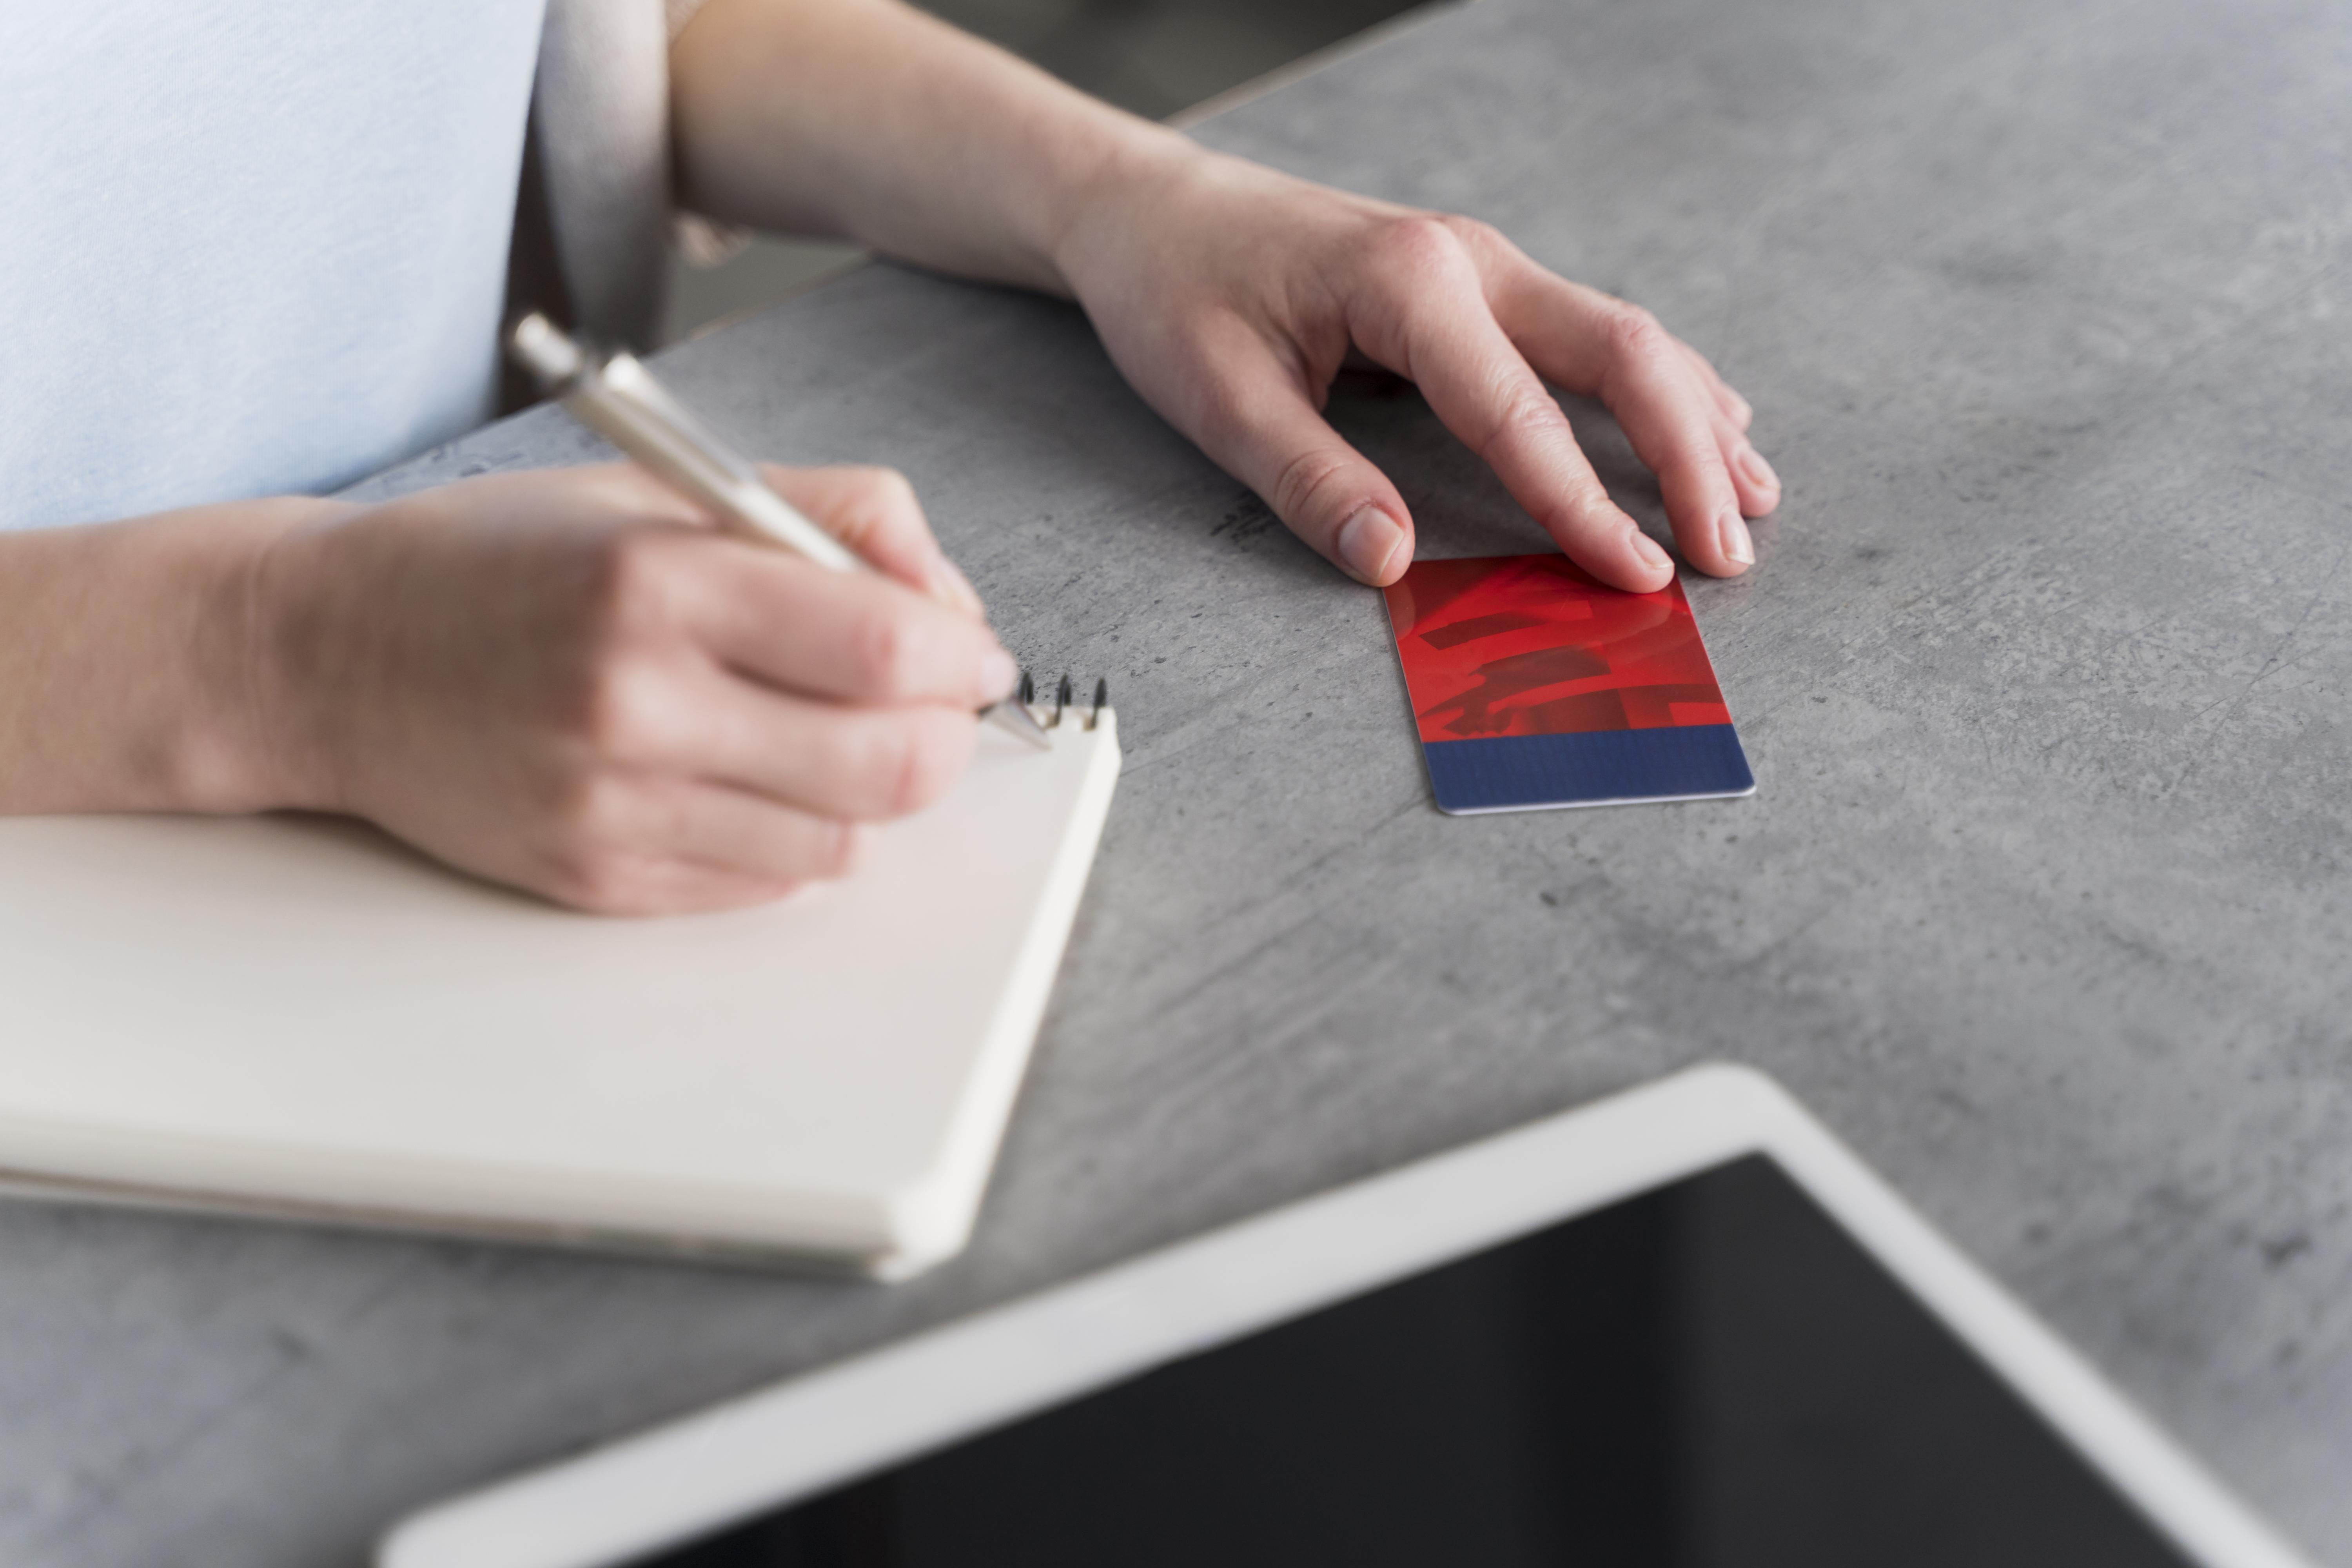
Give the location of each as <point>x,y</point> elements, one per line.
<point>616,396</point>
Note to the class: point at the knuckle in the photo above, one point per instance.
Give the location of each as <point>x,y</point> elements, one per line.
<point>617,713</point>
<point>887,488</point>
<point>586,811</point>
<point>1523,411</point>
<point>593,846</point>
<point>1420,247</point>
<point>931,752</point>
<point>888,649</point>
<point>619,887</point>
<point>596,883</point>
<point>1635,334</point>
<point>834,759</point>
<point>588,873</point>
<point>1307,483</point>
<point>880,767</point>
<point>1476,239</point>
<point>1586,508</point>
<point>635,574</point>
<point>877,500</point>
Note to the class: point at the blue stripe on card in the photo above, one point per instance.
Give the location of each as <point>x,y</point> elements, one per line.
<point>1517,773</point>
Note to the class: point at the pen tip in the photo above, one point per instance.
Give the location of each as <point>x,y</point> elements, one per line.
<point>1015,719</point>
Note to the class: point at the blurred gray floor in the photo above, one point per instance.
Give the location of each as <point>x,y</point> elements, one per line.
<point>1158,58</point>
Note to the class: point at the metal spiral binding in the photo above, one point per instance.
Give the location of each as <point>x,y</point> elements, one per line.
<point>1063,702</point>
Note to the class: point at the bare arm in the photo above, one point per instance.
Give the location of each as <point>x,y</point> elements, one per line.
<point>124,673</point>
<point>1229,294</point>
<point>562,680</point>
<point>869,119</point>
<point>565,681</point>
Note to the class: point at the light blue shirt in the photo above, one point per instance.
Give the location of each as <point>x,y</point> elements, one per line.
<point>247,247</point>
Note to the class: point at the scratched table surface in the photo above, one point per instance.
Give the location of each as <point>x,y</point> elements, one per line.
<point>2042,902</point>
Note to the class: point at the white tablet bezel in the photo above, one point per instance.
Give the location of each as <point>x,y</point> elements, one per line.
<point>752,1454</point>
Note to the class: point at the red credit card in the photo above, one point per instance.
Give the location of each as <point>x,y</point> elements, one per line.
<point>1534,685</point>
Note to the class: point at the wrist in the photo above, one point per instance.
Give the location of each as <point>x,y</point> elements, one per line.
<point>1127,176</point>
<point>254,740</point>
<point>125,678</point>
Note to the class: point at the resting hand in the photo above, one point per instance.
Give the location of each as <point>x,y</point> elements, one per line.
<point>1231,295</point>
<point>568,682</point>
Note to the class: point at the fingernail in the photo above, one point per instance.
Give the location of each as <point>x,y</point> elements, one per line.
<point>997,674</point>
<point>1367,541</point>
<point>948,583</point>
<point>1734,535</point>
<point>1652,557</point>
<point>1760,472</point>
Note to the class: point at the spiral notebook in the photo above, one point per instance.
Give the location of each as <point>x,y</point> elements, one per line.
<point>299,1017</point>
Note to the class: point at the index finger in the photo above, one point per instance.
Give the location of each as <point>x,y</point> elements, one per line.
<point>1592,343</point>
<point>1432,325</point>
<point>875,513</point>
<point>845,636</point>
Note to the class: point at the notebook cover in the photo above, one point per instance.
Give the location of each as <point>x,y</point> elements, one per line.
<point>1534,685</point>
<point>299,1016</point>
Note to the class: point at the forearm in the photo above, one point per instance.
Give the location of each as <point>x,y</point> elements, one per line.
<point>125,680</point>
<point>868,119</point>
<point>1229,295</point>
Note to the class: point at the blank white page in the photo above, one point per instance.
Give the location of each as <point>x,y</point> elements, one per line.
<point>290,1012</point>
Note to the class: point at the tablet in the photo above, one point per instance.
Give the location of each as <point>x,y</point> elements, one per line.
<point>1680,1327</point>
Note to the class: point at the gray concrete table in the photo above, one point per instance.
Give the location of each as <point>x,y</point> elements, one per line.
<point>2044,903</point>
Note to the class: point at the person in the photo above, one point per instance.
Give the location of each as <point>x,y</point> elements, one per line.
<point>256,248</point>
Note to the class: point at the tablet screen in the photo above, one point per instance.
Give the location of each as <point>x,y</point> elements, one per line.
<point>1708,1375</point>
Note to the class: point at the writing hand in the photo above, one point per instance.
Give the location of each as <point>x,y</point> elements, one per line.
<point>568,682</point>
